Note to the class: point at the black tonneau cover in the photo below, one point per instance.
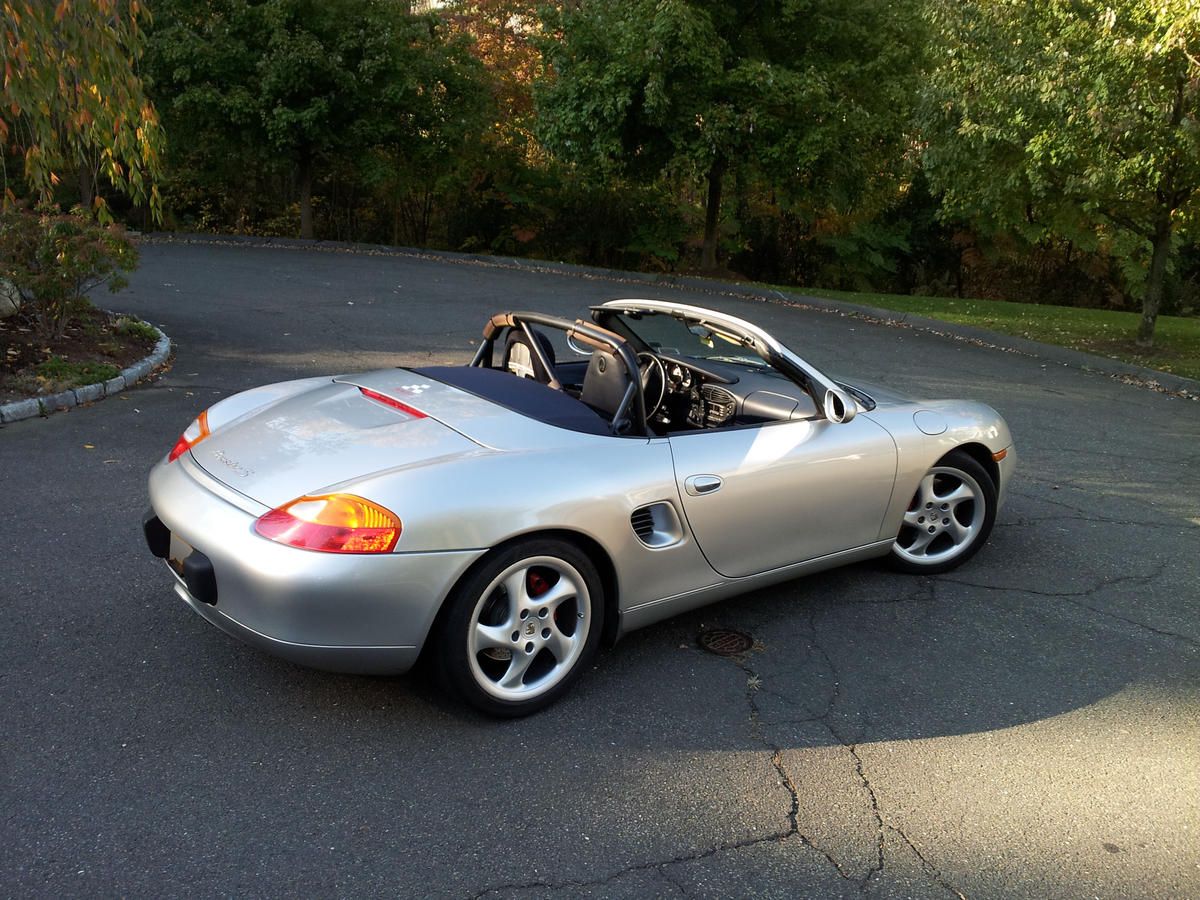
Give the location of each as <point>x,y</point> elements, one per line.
<point>521,395</point>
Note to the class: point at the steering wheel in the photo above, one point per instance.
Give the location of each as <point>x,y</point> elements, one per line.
<point>650,368</point>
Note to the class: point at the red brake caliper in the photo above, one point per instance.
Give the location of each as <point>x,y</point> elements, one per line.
<point>537,583</point>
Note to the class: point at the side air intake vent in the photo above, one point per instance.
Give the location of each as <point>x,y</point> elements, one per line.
<point>719,405</point>
<point>656,525</point>
<point>642,521</point>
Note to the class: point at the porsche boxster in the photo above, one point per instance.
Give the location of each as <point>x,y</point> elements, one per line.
<point>576,480</point>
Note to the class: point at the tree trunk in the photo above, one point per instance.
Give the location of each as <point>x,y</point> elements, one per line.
<point>1154,280</point>
<point>712,214</point>
<point>306,225</point>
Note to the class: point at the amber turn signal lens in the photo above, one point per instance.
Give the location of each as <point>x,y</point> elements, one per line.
<point>1000,454</point>
<point>194,434</point>
<point>332,523</point>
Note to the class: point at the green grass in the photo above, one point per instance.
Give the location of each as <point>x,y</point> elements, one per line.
<point>1100,331</point>
<point>136,328</point>
<point>64,374</point>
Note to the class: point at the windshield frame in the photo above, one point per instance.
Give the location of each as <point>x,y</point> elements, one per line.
<point>837,405</point>
<point>677,336</point>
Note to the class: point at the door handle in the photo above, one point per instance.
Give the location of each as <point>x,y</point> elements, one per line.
<point>702,484</point>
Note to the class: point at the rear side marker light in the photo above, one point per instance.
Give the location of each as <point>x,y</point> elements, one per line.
<point>394,404</point>
<point>332,523</point>
<point>194,434</point>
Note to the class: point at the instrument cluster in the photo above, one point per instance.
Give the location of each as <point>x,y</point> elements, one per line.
<point>690,398</point>
<point>679,378</point>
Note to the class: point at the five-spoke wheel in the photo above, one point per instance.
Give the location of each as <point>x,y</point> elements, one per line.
<point>521,625</point>
<point>948,518</point>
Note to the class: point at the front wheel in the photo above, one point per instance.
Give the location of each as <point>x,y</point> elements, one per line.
<point>949,518</point>
<point>521,627</point>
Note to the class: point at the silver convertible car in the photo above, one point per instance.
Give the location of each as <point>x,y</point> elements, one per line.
<point>575,481</point>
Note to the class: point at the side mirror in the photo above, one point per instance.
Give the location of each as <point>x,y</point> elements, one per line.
<point>839,406</point>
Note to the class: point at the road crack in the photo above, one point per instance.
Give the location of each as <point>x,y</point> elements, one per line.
<point>1079,598</point>
<point>934,873</point>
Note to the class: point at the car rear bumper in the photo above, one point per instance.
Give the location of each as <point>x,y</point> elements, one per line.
<point>366,613</point>
<point>358,659</point>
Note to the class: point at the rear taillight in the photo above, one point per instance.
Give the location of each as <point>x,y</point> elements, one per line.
<point>332,523</point>
<point>194,434</point>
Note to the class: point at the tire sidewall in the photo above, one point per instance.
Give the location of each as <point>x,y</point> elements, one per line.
<point>453,663</point>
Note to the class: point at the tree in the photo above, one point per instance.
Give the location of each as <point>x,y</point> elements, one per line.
<point>813,95</point>
<point>309,83</point>
<point>1071,120</point>
<point>201,60</point>
<point>504,37</point>
<point>73,104</point>
<point>434,113</point>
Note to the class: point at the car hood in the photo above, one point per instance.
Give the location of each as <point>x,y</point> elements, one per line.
<point>332,434</point>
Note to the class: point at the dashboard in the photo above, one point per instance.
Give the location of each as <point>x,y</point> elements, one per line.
<point>710,394</point>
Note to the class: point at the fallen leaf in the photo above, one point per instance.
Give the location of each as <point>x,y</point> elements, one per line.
<point>89,446</point>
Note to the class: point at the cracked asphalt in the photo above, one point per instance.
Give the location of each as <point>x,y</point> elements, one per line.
<point>1026,726</point>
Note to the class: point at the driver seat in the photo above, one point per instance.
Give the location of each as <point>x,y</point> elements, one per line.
<point>604,387</point>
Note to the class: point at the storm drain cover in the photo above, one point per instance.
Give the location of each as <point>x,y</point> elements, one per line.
<point>725,641</point>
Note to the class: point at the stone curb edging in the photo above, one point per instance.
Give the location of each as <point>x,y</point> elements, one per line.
<point>1140,376</point>
<point>43,406</point>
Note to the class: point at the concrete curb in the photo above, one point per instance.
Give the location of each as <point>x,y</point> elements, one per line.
<point>90,393</point>
<point>1139,376</point>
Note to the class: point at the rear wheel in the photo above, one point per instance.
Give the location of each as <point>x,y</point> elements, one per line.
<point>521,627</point>
<point>949,517</point>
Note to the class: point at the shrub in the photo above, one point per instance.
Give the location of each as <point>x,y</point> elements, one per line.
<point>55,258</point>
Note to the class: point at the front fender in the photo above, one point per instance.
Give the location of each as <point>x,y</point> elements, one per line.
<point>944,426</point>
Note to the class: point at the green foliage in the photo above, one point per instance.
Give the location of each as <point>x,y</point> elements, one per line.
<point>811,96</point>
<point>72,103</point>
<point>550,212</point>
<point>54,259</point>
<point>291,88</point>
<point>131,327</point>
<point>64,373</point>
<point>1071,121</point>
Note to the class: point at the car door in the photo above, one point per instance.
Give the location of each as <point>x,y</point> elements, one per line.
<point>762,497</point>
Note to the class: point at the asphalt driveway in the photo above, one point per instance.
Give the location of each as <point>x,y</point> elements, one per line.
<point>1027,726</point>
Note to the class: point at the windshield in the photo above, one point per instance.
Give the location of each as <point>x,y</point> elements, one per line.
<point>672,336</point>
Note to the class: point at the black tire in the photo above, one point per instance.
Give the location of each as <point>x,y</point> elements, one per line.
<point>521,627</point>
<point>929,540</point>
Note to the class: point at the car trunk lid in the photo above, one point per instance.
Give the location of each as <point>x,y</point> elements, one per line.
<point>334,433</point>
